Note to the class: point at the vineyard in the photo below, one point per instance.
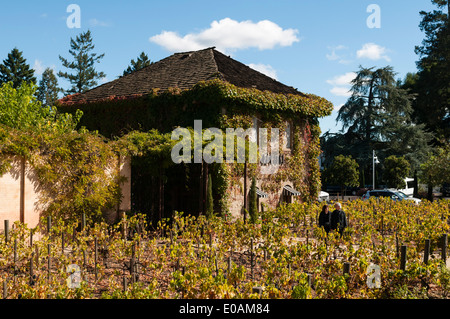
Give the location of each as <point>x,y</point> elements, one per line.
<point>283,255</point>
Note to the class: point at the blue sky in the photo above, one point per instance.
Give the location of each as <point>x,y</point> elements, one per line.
<point>314,46</point>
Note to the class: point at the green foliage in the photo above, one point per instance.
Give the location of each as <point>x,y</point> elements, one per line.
<point>85,75</point>
<point>141,62</point>
<point>343,172</point>
<point>16,70</point>
<point>436,170</point>
<point>19,109</point>
<point>395,170</point>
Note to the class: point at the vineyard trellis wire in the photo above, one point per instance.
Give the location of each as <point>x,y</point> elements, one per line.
<point>284,255</point>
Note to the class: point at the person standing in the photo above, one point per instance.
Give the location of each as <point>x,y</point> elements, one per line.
<point>338,219</point>
<point>325,219</point>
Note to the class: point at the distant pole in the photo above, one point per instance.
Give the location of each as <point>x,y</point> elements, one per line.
<point>373,169</point>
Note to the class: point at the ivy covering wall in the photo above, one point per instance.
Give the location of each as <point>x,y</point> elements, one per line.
<point>138,121</point>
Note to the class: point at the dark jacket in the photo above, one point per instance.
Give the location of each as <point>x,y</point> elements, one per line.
<point>338,219</point>
<point>325,220</point>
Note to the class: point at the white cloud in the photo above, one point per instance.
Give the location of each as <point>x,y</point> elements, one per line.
<point>341,91</point>
<point>229,34</point>
<point>335,56</point>
<point>342,84</point>
<point>97,23</point>
<point>265,69</point>
<point>38,67</point>
<point>372,51</point>
<point>344,79</point>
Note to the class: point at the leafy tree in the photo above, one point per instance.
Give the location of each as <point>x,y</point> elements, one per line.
<point>436,170</point>
<point>85,75</point>
<point>252,202</point>
<point>48,89</point>
<point>20,109</point>
<point>209,198</point>
<point>343,172</point>
<point>395,170</point>
<point>432,106</point>
<point>16,69</point>
<point>141,62</point>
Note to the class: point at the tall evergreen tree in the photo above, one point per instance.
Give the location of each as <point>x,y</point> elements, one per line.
<point>141,62</point>
<point>15,69</point>
<point>432,106</point>
<point>85,75</point>
<point>48,90</point>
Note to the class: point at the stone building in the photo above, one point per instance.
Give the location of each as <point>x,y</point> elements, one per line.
<point>223,93</point>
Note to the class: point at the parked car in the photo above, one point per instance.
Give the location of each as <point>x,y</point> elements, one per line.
<point>445,190</point>
<point>408,189</point>
<point>393,194</point>
<point>323,196</point>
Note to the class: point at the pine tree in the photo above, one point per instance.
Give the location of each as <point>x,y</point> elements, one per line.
<point>141,62</point>
<point>16,70</point>
<point>85,75</point>
<point>48,90</point>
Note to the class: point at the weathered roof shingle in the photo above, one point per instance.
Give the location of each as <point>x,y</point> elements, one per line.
<point>183,71</point>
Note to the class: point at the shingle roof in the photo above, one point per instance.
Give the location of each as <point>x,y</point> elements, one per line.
<point>182,70</point>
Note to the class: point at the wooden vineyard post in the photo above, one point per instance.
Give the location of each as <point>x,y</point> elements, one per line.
<point>62,243</point>
<point>5,288</point>
<point>95,258</point>
<point>347,268</point>
<point>31,269</point>
<point>444,247</point>
<point>403,257</point>
<point>48,261</point>
<point>6,231</point>
<point>426,253</point>
<point>251,257</point>
<point>49,225</point>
